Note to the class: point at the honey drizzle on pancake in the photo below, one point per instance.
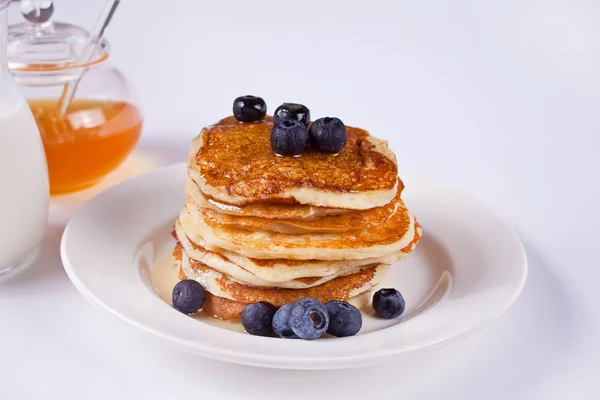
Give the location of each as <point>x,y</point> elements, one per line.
<point>238,156</point>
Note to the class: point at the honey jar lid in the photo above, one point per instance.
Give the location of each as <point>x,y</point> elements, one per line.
<point>43,52</point>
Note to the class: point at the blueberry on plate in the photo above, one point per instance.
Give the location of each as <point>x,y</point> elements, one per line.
<point>257,318</point>
<point>344,318</point>
<point>388,303</point>
<point>328,135</point>
<point>249,109</point>
<point>309,318</point>
<point>281,322</point>
<point>293,111</point>
<point>188,296</point>
<point>289,138</point>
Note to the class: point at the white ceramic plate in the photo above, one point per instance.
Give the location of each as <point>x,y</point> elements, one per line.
<point>467,270</point>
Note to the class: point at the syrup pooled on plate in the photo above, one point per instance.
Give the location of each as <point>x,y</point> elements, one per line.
<point>91,140</point>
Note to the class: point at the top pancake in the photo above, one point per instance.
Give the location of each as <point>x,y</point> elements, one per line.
<point>233,163</point>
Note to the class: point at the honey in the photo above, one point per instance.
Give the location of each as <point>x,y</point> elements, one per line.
<point>91,140</point>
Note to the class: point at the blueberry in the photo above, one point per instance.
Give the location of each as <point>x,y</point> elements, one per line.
<point>188,296</point>
<point>249,109</point>
<point>344,318</point>
<point>328,135</point>
<point>281,322</point>
<point>293,111</point>
<point>257,318</point>
<point>289,138</point>
<point>388,303</point>
<point>309,319</point>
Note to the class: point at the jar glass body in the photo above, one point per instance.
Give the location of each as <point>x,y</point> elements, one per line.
<point>97,132</point>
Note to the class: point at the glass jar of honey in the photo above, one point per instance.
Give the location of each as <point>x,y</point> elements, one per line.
<point>102,124</point>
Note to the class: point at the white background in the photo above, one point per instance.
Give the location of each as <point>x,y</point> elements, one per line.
<point>499,98</point>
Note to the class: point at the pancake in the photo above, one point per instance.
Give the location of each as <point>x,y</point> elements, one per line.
<point>218,307</point>
<point>223,308</point>
<point>395,234</point>
<point>362,219</point>
<point>221,264</point>
<point>261,210</point>
<point>220,285</point>
<point>282,273</point>
<point>260,227</point>
<point>233,163</point>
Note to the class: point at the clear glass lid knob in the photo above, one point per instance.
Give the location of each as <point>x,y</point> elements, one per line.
<point>37,12</point>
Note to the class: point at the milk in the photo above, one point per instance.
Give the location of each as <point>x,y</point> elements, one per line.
<point>23,184</point>
<point>23,172</point>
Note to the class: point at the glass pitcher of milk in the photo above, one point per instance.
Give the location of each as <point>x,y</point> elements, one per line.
<point>23,172</point>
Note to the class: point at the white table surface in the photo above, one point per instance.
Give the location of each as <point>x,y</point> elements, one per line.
<point>500,98</point>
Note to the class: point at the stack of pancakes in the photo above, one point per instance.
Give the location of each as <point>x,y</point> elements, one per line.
<point>260,227</point>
